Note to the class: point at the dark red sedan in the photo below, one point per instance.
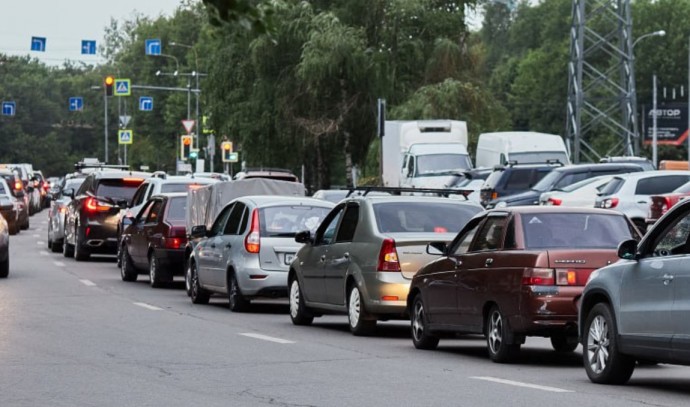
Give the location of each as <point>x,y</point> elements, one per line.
<point>512,273</point>
<point>662,203</point>
<point>153,242</point>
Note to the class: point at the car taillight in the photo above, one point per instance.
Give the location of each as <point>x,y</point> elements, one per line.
<point>666,205</point>
<point>18,186</point>
<point>572,277</point>
<point>46,186</point>
<point>94,205</point>
<point>538,276</point>
<point>63,209</point>
<point>252,243</point>
<point>174,242</point>
<point>388,257</point>
<point>554,201</point>
<point>609,203</point>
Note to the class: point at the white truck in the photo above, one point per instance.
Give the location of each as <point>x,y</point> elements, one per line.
<point>423,153</point>
<point>522,146</point>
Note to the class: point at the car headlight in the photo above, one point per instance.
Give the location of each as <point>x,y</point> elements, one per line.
<point>501,204</point>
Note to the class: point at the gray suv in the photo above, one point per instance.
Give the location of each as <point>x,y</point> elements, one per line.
<point>636,309</point>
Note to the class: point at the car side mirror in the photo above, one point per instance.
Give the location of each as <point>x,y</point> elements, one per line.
<point>437,248</point>
<point>198,231</point>
<point>303,237</point>
<point>128,220</point>
<point>122,203</point>
<point>68,192</point>
<point>627,250</point>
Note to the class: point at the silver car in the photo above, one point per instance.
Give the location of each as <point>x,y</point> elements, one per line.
<point>57,211</point>
<point>249,248</point>
<point>637,309</point>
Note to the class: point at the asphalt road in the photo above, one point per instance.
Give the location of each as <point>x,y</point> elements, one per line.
<point>74,334</point>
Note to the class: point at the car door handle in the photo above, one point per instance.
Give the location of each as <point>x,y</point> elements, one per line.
<point>228,246</point>
<point>322,258</point>
<point>642,202</point>
<point>667,278</point>
<point>346,255</point>
<point>489,262</point>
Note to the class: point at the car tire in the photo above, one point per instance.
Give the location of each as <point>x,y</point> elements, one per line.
<point>67,249</point>
<point>25,225</point>
<point>197,294</point>
<point>604,363</point>
<point>56,247</point>
<point>299,313</point>
<point>5,267</point>
<point>421,336</point>
<point>357,316</point>
<point>236,301</point>
<point>563,343</point>
<point>80,252</point>
<point>155,272</point>
<point>12,229</point>
<point>498,334</point>
<point>127,270</point>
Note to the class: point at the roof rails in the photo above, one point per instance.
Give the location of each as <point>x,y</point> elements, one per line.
<point>98,165</point>
<point>511,163</point>
<point>396,191</point>
<point>159,174</point>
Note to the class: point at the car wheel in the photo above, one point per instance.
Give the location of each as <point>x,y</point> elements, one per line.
<point>154,275</point>
<point>299,314</point>
<point>12,229</point>
<point>497,337</point>
<point>188,279</point>
<point>236,300</point>
<point>67,249</point>
<point>564,343</point>
<point>5,267</point>
<point>127,270</point>
<point>197,294</point>
<point>421,337</point>
<point>80,252</point>
<point>357,316</point>
<point>25,225</point>
<point>56,247</point>
<point>603,361</point>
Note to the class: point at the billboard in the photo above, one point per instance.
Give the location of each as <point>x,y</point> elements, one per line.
<point>671,124</point>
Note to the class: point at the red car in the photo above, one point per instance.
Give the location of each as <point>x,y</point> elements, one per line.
<point>514,272</point>
<point>662,203</point>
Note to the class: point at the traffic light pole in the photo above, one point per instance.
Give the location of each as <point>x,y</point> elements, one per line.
<point>105,110</point>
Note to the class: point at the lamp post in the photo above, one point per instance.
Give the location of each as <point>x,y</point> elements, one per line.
<point>659,33</point>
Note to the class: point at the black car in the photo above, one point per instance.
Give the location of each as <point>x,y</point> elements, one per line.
<point>92,215</point>
<point>514,178</point>
<point>16,187</point>
<point>562,177</point>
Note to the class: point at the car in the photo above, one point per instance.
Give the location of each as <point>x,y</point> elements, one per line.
<point>513,178</point>
<point>471,180</point>
<point>92,216</point>
<point>662,203</point>
<point>337,195</point>
<point>9,209</point>
<point>279,174</point>
<point>16,188</point>
<point>636,309</point>
<point>42,186</point>
<point>4,248</point>
<point>643,162</point>
<point>58,209</point>
<point>33,193</point>
<point>247,252</point>
<point>631,194</point>
<point>360,261</point>
<point>582,193</point>
<point>512,273</point>
<point>154,240</point>
<point>560,178</point>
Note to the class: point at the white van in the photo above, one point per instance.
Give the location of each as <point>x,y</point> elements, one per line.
<point>522,146</point>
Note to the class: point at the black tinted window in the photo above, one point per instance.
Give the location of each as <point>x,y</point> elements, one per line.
<point>574,230</point>
<point>177,208</point>
<point>166,188</point>
<point>219,223</point>
<point>422,217</point>
<point>612,187</point>
<point>286,221</point>
<point>569,179</point>
<point>346,232</point>
<point>519,178</point>
<point>233,224</point>
<point>490,236</point>
<point>155,213</point>
<point>117,188</point>
<point>659,185</point>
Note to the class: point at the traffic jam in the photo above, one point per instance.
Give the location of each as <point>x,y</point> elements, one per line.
<point>585,255</point>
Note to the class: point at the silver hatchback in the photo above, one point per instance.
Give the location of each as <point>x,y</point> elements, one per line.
<point>249,248</point>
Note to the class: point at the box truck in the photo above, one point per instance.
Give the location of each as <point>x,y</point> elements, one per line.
<point>522,146</point>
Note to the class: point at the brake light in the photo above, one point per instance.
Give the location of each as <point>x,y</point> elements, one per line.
<point>554,201</point>
<point>666,205</point>
<point>133,180</point>
<point>93,205</point>
<point>252,243</point>
<point>174,242</point>
<point>18,185</point>
<point>63,209</point>
<point>194,186</point>
<point>609,203</point>
<point>46,185</point>
<point>566,277</point>
<point>388,257</point>
<point>538,276</point>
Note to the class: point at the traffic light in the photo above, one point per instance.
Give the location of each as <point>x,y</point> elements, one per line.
<point>185,147</point>
<point>226,151</point>
<point>108,83</point>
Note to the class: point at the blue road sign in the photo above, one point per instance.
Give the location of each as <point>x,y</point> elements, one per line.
<point>76,104</point>
<point>88,47</point>
<point>122,87</point>
<point>125,136</point>
<point>153,46</point>
<point>9,108</point>
<point>38,44</point>
<point>146,103</point>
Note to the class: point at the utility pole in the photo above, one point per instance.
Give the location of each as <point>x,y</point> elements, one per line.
<point>105,110</point>
<point>654,135</point>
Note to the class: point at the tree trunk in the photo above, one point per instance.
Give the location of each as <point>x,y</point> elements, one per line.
<point>348,159</point>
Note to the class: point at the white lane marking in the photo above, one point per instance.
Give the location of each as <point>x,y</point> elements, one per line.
<point>59,263</point>
<point>88,283</point>
<point>37,235</point>
<point>521,384</point>
<point>45,254</point>
<point>267,338</point>
<point>148,306</point>
<point>40,243</point>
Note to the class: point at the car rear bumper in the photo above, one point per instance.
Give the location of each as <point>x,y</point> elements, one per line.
<point>547,310</point>
<point>99,238</point>
<point>171,260</point>
<point>385,293</point>
<point>257,282</point>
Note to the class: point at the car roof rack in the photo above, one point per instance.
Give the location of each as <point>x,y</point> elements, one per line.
<point>397,190</point>
<point>159,174</point>
<point>82,165</point>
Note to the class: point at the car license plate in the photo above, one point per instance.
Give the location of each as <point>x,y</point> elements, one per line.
<point>289,257</point>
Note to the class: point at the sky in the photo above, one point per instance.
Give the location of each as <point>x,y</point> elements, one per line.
<point>65,23</point>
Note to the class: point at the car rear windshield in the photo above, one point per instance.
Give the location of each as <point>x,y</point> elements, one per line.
<point>177,208</point>
<point>539,156</point>
<point>182,187</point>
<point>575,230</point>
<point>422,217</point>
<point>118,188</point>
<point>286,221</point>
<point>74,183</point>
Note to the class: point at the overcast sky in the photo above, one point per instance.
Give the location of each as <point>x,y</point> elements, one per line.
<point>65,23</point>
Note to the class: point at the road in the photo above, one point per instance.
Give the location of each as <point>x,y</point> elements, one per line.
<point>74,334</point>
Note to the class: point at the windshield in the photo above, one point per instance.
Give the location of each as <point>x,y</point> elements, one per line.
<point>423,217</point>
<point>538,157</point>
<point>286,221</point>
<point>177,208</point>
<point>117,188</point>
<point>548,181</point>
<point>74,183</point>
<point>433,163</point>
<point>575,230</point>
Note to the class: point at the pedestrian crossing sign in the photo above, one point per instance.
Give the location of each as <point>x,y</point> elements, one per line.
<point>123,87</point>
<point>124,136</point>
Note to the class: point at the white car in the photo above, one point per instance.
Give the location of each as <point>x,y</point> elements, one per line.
<point>580,194</point>
<point>631,194</point>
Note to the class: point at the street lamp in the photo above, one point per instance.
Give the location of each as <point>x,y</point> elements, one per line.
<point>659,33</point>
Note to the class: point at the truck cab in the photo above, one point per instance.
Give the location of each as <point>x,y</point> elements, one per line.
<point>433,165</point>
